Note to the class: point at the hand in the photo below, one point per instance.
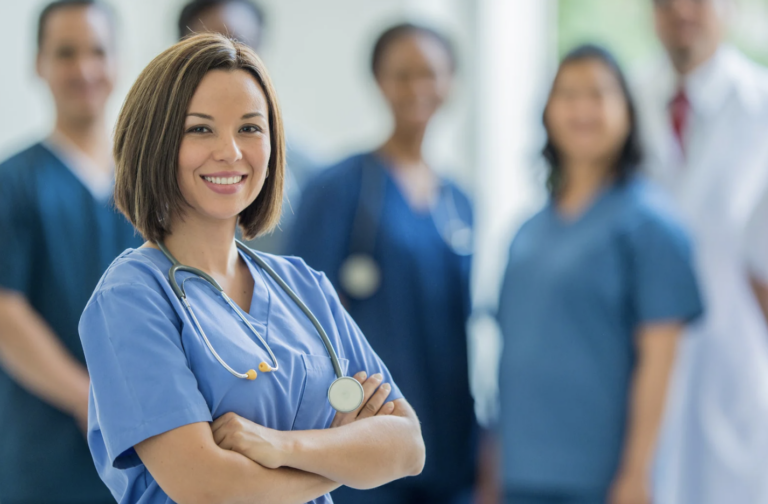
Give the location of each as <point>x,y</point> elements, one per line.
<point>630,487</point>
<point>373,403</point>
<point>266,447</point>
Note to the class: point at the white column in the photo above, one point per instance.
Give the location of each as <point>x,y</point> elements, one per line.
<point>515,56</point>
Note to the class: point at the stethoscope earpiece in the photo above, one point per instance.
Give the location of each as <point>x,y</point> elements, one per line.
<point>251,374</point>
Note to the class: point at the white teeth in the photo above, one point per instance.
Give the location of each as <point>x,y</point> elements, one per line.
<point>224,180</point>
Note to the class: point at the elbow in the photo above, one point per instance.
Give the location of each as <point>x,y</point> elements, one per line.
<point>418,456</point>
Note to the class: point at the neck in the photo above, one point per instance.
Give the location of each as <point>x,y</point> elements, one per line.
<point>404,145</point>
<point>686,62</point>
<point>582,182</point>
<point>204,244</point>
<point>90,136</point>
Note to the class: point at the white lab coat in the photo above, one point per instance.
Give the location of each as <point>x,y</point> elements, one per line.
<point>713,448</point>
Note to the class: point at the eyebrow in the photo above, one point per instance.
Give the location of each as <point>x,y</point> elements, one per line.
<point>210,118</point>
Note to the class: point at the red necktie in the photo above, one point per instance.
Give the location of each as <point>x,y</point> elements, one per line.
<point>679,109</point>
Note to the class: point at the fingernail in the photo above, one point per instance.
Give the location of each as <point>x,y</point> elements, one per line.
<point>362,375</point>
<point>377,376</point>
<point>386,387</point>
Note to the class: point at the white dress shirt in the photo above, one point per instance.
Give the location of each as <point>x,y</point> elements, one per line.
<point>713,447</point>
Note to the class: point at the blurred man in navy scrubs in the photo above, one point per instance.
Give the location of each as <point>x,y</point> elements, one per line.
<point>55,198</point>
<point>703,110</point>
<point>243,20</point>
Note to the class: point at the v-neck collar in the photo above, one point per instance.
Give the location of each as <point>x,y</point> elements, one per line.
<point>568,221</point>
<point>261,299</point>
<point>100,185</point>
<point>389,179</point>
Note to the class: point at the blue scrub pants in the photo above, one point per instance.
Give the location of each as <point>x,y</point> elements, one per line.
<point>543,497</point>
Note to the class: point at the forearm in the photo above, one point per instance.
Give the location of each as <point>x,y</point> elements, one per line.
<point>760,289</point>
<point>648,398</point>
<point>240,480</point>
<point>33,356</point>
<point>364,454</point>
<point>191,469</point>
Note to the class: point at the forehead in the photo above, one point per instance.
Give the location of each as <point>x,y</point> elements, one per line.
<point>237,91</point>
<point>586,72</point>
<point>77,25</point>
<point>415,48</point>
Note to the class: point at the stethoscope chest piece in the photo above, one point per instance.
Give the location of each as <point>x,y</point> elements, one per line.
<point>345,394</point>
<point>360,276</point>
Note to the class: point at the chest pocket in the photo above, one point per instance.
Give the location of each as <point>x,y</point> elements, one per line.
<point>314,411</point>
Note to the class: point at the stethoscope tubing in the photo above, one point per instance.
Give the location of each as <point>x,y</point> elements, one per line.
<point>181,294</point>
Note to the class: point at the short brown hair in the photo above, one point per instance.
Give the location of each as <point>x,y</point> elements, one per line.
<point>151,126</point>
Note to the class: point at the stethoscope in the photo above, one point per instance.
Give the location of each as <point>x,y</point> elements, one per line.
<point>345,393</point>
<point>360,274</point>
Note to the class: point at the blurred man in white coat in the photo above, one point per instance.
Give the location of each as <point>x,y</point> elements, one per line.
<point>704,118</point>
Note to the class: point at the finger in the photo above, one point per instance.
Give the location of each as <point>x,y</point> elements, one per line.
<point>387,409</point>
<point>369,387</point>
<point>375,403</point>
<point>223,420</point>
<point>345,418</point>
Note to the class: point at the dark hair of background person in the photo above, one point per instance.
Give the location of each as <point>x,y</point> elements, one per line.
<point>631,153</point>
<point>195,8</point>
<point>396,32</point>
<point>150,129</point>
<point>52,7</point>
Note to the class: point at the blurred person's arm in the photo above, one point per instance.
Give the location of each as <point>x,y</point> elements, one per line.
<point>488,488</point>
<point>33,356</point>
<point>760,289</point>
<point>756,253</point>
<point>656,346</point>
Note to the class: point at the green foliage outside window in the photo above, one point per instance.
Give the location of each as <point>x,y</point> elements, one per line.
<point>626,27</point>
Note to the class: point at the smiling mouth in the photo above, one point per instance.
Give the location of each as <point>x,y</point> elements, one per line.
<point>224,180</point>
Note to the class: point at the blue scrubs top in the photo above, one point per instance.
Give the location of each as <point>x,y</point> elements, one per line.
<point>56,240</point>
<point>416,320</point>
<point>151,371</point>
<point>574,295</point>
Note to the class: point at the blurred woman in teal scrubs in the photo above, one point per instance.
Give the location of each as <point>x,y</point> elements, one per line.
<point>597,291</point>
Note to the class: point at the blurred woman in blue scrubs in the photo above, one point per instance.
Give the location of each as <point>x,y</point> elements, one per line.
<point>395,239</point>
<point>597,291</point>
<point>177,411</point>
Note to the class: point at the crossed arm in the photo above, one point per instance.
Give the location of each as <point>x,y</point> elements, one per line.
<point>235,460</point>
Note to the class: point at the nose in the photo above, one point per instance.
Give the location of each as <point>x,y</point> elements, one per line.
<point>227,150</point>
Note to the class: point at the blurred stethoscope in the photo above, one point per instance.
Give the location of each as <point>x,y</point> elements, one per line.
<point>345,393</point>
<point>360,274</point>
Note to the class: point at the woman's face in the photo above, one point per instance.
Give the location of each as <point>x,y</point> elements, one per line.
<point>587,115</point>
<point>415,75</point>
<point>225,150</point>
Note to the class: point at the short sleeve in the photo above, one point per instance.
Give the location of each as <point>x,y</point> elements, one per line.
<point>756,241</point>
<point>17,230</point>
<point>361,355</point>
<point>662,278</point>
<point>141,383</point>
